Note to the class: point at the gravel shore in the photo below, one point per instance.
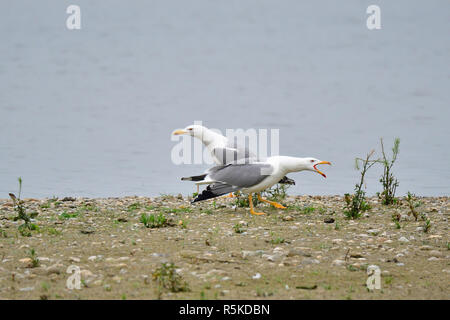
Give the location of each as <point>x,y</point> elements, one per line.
<point>308,251</point>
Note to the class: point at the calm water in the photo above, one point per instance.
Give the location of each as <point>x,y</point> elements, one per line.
<point>90,112</point>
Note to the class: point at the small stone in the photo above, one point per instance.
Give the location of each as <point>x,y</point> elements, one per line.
<point>54,269</point>
<point>288,218</point>
<point>310,261</point>
<point>373,232</point>
<point>298,252</point>
<point>338,262</point>
<point>246,254</point>
<point>435,253</point>
<point>25,260</point>
<point>403,239</point>
<point>433,259</point>
<point>328,220</point>
<point>74,259</point>
<point>26,289</point>
<point>224,292</point>
<point>188,254</point>
<point>426,248</point>
<point>86,273</point>
<point>87,231</point>
<point>256,276</point>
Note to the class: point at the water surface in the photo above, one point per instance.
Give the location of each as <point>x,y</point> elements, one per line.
<point>90,112</point>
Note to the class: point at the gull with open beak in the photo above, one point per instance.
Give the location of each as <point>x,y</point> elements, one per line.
<point>252,177</point>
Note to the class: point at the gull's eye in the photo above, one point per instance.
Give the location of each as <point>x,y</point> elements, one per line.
<point>190,129</point>
<point>312,161</point>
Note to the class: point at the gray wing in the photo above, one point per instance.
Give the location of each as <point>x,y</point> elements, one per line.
<point>241,175</point>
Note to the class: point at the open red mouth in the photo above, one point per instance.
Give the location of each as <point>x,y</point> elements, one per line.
<point>318,171</point>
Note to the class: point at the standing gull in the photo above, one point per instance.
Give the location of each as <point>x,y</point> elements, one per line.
<point>221,149</point>
<point>252,177</point>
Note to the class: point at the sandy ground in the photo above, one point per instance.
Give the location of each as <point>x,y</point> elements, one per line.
<point>308,251</point>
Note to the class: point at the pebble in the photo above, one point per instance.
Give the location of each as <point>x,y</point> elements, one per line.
<point>338,262</point>
<point>433,259</point>
<point>403,239</point>
<point>25,260</point>
<point>298,252</point>
<point>310,261</point>
<point>256,276</point>
<point>27,289</point>
<point>435,253</point>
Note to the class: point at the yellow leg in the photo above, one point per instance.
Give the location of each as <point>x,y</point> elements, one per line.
<point>231,195</point>
<point>252,211</point>
<point>273,203</point>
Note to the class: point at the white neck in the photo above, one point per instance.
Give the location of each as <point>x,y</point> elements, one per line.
<point>291,164</point>
<point>209,136</point>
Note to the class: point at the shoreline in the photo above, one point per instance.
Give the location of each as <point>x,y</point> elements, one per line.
<point>308,251</point>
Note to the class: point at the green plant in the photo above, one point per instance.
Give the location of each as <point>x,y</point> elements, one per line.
<point>34,259</point>
<point>276,193</point>
<point>397,225</point>
<point>167,278</point>
<point>277,240</point>
<point>242,201</point>
<point>45,286</point>
<point>177,210</point>
<point>413,205</point>
<point>26,228</point>
<point>155,221</point>
<point>53,231</point>
<point>238,228</point>
<point>427,226</point>
<point>68,215</point>
<point>134,206</point>
<point>308,210</point>
<point>356,203</point>
<point>389,182</point>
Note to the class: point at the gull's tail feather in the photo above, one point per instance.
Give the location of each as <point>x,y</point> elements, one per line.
<point>194,178</point>
<point>215,190</point>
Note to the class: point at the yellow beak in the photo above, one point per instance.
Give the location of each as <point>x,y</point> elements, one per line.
<point>178,132</point>
<point>318,171</point>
